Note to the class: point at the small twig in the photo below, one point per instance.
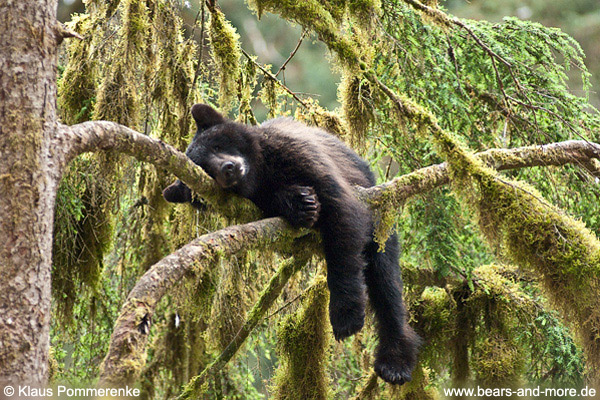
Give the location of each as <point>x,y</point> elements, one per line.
<point>292,54</point>
<point>268,296</point>
<point>283,307</point>
<point>455,61</point>
<point>201,50</point>
<point>269,75</point>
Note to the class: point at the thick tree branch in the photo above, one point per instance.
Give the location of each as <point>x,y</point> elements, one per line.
<point>127,349</point>
<point>126,354</point>
<point>109,136</point>
<point>579,152</point>
<point>103,135</point>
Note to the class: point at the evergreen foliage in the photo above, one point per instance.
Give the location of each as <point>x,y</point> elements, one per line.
<point>500,275</point>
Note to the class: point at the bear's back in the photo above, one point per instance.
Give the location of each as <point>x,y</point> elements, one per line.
<point>354,169</point>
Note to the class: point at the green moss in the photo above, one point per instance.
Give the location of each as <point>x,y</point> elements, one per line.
<point>226,54</point>
<point>269,95</point>
<point>436,309</point>
<point>316,16</point>
<point>118,96</point>
<point>561,250</point>
<point>53,368</point>
<point>364,11</point>
<point>152,182</point>
<point>226,320</point>
<point>386,207</point>
<point>247,84</point>
<point>82,231</point>
<point>77,86</point>
<point>331,122</point>
<point>135,23</point>
<point>498,362</point>
<point>314,114</point>
<point>435,314</point>
<point>303,342</point>
<point>420,388</point>
<point>357,106</point>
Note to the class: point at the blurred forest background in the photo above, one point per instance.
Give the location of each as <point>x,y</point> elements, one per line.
<point>483,319</point>
<point>273,39</point>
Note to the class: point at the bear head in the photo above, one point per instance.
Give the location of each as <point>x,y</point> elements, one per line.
<point>227,151</point>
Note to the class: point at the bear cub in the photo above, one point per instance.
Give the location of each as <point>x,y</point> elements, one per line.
<point>305,175</point>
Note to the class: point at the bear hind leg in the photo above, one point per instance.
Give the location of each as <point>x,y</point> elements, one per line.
<point>396,354</point>
<point>344,238</point>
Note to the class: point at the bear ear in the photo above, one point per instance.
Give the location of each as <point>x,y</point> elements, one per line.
<point>206,116</point>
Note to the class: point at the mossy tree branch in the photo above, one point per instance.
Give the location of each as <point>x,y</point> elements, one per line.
<point>110,136</point>
<point>127,350</point>
<point>577,152</point>
<point>126,354</point>
<point>518,221</point>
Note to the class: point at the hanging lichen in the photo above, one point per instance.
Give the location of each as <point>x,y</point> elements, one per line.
<point>364,12</point>
<point>497,357</point>
<point>247,84</point>
<point>170,72</point>
<point>357,107</point>
<point>82,232</point>
<point>224,41</point>
<point>83,237</point>
<point>118,98</point>
<point>315,15</point>
<point>303,342</point>
<point>154,212</point>
<point>77,86</point>
<point>436,321</point>
<point>226,320</point>
<point>497,362</point>
<point>269,96</point>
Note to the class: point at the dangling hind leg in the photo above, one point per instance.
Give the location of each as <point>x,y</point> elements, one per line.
<point>396,354</point>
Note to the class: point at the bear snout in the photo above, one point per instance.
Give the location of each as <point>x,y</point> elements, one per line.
<point>228,169</point>
<point>231,172</point>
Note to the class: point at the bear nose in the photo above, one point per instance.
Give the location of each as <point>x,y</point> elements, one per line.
<point>227,168</point>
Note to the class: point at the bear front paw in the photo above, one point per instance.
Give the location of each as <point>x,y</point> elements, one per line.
<point>306,207</point>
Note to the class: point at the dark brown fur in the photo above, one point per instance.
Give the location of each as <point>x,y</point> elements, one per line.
<point>306,176</point>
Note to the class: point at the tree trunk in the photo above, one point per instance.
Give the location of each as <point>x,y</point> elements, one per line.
<point>29,174</point>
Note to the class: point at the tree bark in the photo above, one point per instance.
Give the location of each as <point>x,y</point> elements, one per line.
<point>29,175</point>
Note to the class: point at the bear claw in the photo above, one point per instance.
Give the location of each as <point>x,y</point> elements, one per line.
<point>393,374</point>
<point>308,207</point>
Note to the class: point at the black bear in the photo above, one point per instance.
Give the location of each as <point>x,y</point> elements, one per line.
<point>306,175</point>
